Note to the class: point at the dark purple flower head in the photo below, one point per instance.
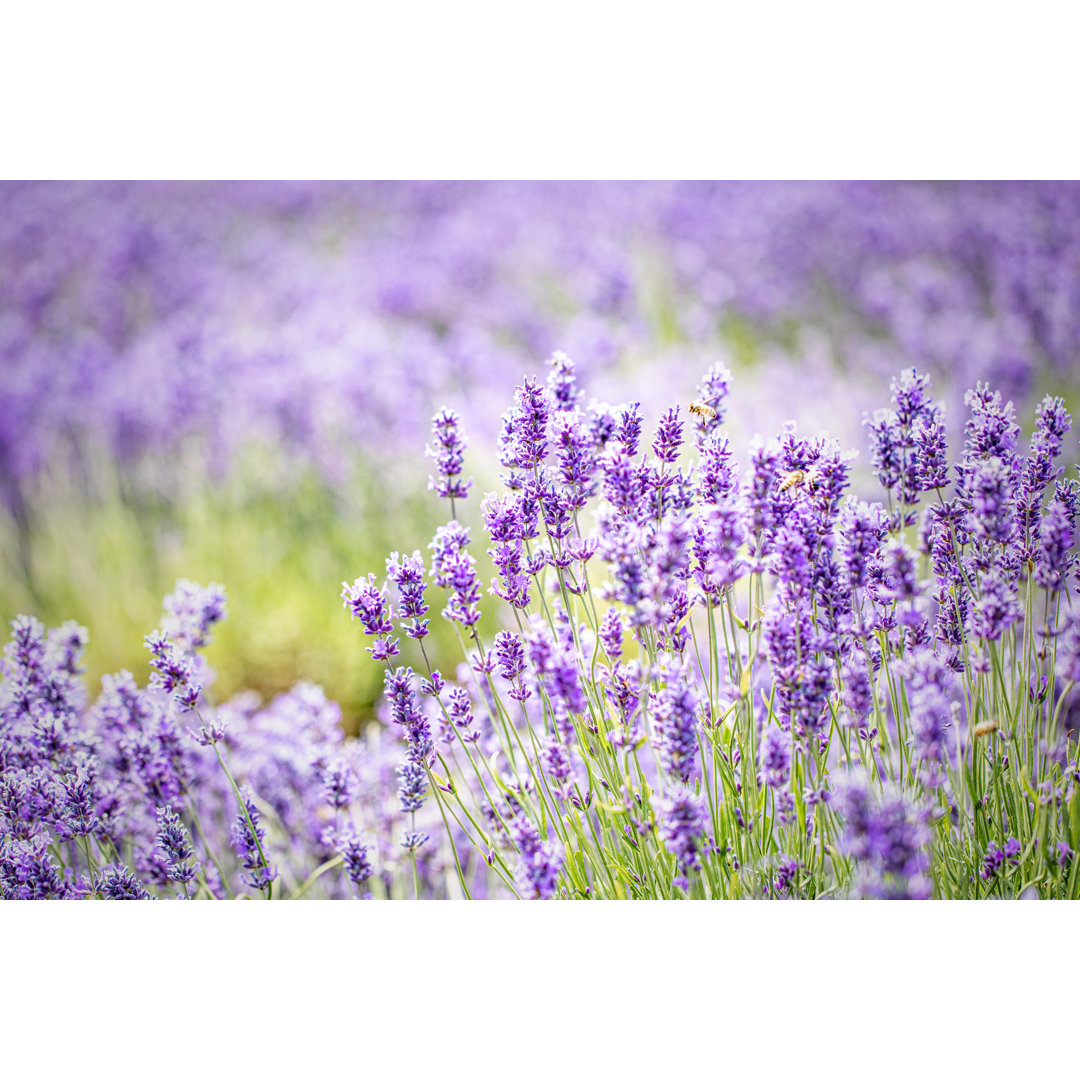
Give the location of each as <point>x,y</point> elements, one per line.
<point>354,853</point>
<point>173,671</point>
<point>365,601</point>
<point>117,882</point>
<point>628,428</point>
<point>863,529</point>
<point>669,437</point>
<point>75,811</point>
<point>174,846</point>
<point>992,431</point>
<point>246,837</point>
<point>530,435</point>
<point>28,870</point>
<point>448,454</point>
<point>407,573</point>
<point>562,383</point>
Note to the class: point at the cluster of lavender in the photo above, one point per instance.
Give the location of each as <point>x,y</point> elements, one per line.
<point>710,683</point>
<point>156,791</point>
<point>677,678</point>
<point>220,311</point>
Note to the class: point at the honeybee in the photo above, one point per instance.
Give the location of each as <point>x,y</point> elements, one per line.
<point>800,476</point>
<point>986,727</point>
<point>699,408</point>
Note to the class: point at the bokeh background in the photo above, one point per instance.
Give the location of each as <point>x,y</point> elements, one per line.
<point>234,382</point>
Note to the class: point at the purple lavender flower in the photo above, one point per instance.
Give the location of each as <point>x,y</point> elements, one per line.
<point>562,383</point>
<point>888,839</point>
<point>775,757</point>
<point>354,853</point>
<point>556,763</point>
<point>75,812</point>
<point>675,712</point>
<point>174,847</point>
<point>365,601</point>
<point>412,786</point>
<point>540,862</point>
<point>611,634</point>
<point>191,611</point>
<point>28,871</point>
<point>995,857</point>
<point>669,437</point>
<point>339,785</point>
<point>1056,558</point>
<point>407,573</point>
<point>509,654</point>
<point>628,429</point>
<point>448,455</point>
<point>530,425</point>
<point>173,671</point>
<point>712,392</point>
<point>246,837</point>
<point>683,823</point>
<point>460,708</point>
<point>117,882</point>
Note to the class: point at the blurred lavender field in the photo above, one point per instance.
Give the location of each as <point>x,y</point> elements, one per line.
<point>235,382</point>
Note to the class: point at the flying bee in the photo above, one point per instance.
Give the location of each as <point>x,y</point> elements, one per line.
<point>699,408</point>
<point>809,477</point>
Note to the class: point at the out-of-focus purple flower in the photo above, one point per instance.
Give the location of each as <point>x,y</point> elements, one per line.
<point>775,757</point>
<point>540,862</point>
<point>611,634</point>
<point>556,764</point>
<point>682,827</point>
<point>191,611</point>
<point>888,838</point>
<point>339,785</point>
<point>1055,559</point>
<point>675,712</point>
